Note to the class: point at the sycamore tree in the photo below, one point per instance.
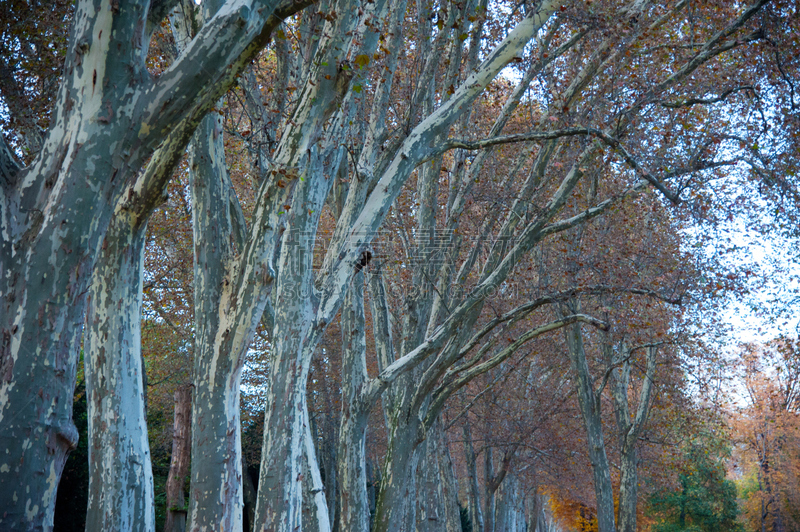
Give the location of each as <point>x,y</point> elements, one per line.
<point>600,76</point>
<point>108,117</point>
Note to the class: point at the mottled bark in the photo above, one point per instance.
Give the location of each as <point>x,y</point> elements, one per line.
<point>109,117</point>
<point>451,487</point>
<point>437,503</point>
<point>120,474</point>
<point>510,512</point>
<point>179,461</point>
<point>352,474</point>
<point>395,508</point>
<point>315,512</point>
<point>294,339</point>
<point>298,324</point>
<point>216,499</point>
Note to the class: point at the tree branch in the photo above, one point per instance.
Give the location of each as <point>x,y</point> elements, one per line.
<point>447,389</point>
<point>216,56</point>
<point>9,165</point>
<point>705,101</point>
<point>560,133</point>
<point>148,190</point>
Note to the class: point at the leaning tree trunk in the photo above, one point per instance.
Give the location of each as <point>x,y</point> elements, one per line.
<point>120,473</point>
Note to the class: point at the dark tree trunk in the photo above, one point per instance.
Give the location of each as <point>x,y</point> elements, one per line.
<point>179,461</point>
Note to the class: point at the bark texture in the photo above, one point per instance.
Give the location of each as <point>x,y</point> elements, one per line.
<point>630,425</point>
<point>352,475</point>
<point>109,118</point>
<point>510,512</point>
<point>216,499</point>
<point>120,474</point>
<point>179,461</point>
<point>589,401</point>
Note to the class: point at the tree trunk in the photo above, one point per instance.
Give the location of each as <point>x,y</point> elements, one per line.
<point>490,489</point>
<point>430,512</point>
<point>120,473</point>
<point>510,511</point>
<point>628,490</point>
<point>475,506</point>
<point>629,428</point>
<point>354,503</point>
<point>773,504</point>
<point>294,339</point>
<point>315,513</point>
<point>216,499</point>
<point>280,495</point>
<point>329,465</point>
<point>395,508</point>
<point>179,461</point>
<point>437,502</point>
<point>452,507</point>
<point>590,407</point>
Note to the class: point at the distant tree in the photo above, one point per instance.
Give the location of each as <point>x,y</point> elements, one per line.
<point>768,430</point>
<point>704,501</point>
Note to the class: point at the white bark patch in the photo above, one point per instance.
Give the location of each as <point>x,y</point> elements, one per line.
<point>52,484</point>
<point>30,512</point>
<point>16,347</point>
<point>94,68</point>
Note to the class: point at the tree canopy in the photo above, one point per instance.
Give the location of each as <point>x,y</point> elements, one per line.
<point>433,255</point>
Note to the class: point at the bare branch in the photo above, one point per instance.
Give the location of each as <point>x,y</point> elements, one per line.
<point>560,133</point>
<point>448,388</point>
<point>705,101</point>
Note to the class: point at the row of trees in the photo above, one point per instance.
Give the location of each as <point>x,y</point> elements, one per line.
<point>767,431</point>
<point>460,230</point>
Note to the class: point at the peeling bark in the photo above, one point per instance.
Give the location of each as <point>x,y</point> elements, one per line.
<point>120,474</point>
<point>352,463</point>
<point>109,118</point>
<point>437,492</point>
<point>216,499</point>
